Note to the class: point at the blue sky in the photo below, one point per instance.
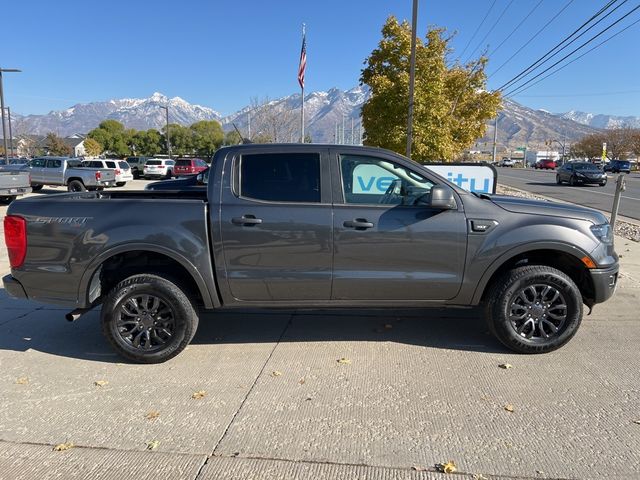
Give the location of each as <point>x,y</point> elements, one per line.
<point>222,54</point>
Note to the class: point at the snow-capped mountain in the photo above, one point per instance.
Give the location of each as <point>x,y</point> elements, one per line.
<point>332,115</point>
<point>138,113</point>
<point>601,121</point>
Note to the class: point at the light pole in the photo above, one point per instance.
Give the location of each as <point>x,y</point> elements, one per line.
<point>166,109</point>
<point>4,128</point>
<point>412,76</point>
<point>10,133</point>
<point>562,144</point>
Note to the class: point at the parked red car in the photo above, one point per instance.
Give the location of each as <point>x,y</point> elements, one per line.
<point>546,164</point>
<point>189,166</point>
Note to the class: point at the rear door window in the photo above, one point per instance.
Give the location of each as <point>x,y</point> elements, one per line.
<point>110,164</point>
<point>281,177</point>
<point>54,163</point>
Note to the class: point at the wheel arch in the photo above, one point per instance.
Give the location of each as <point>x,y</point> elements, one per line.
<point>563,257</point>
<point>143,258</point>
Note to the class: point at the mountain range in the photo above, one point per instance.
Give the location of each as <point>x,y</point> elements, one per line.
<point>332,115</point>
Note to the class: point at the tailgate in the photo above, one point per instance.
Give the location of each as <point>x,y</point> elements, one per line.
<point>10,181</point>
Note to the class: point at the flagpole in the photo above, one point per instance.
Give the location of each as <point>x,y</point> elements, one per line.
<point>302,88</point>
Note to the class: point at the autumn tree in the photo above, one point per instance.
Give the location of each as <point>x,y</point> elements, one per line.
<point>56,146</point>
<point>621,142</point>
<point>92,147</point>
<point>451,103</point>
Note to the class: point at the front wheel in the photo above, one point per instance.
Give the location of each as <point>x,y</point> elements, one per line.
<point>534,309</point>
<point>558,181</point>
<point>572,181</point>
<point>148,319</point>
<point>36,188</point>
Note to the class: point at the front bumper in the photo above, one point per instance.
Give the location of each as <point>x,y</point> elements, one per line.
<point>605,281</point>
<point>13,287</point>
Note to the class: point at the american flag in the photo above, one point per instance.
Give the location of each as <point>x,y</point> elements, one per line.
<point>303,61</point>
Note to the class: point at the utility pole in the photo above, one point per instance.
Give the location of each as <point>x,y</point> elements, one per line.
<point>495,138</point>
<point>4,128</point>
<point>10,133</point>
<point>412,76</point>
<point>249,127</point>
<point>166,109</point>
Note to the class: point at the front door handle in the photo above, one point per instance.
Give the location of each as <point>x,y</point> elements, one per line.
<point>358,224</point>
<point>246,220</point>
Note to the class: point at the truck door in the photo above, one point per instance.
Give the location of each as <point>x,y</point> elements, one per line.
<point>389,244</point>
<point>275,224</point>
<point>52,172</point>
<point>36,167</point>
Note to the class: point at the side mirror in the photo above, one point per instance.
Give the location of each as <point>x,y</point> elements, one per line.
<point>442,197</point>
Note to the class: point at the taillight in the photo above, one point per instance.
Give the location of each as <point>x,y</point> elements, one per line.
<point>98,175</point>
<point>15,236</point>
<point>117,171</point>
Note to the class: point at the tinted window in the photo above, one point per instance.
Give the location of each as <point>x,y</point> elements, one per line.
<point>169,162</point>
<point>132,160</point>
<point>154,162</point>
<point>110,164</point>
<point>123,165</point>
<point>38,162</point>
<point>54,163</point>
<point>284,177</point>
<point>183,163</point>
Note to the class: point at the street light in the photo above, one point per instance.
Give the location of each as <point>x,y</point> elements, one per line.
<point>166,109</point>
<point>13,154</point>
<point>4,128</point>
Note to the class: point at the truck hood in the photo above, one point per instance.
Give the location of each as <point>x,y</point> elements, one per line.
<point>543,207</point>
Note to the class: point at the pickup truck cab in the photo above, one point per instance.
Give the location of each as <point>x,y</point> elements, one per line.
<point>306,226</point>
<point>69,172</point>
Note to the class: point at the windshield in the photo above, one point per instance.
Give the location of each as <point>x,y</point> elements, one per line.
<point>586,166</point>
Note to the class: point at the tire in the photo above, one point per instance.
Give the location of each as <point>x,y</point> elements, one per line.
<point>602,184</point>
<point>558,181</point>
<point>180,318</point>
<point>572,181</point>
<point>510,294</point>
<point>36,188</point>
<point>168,175</point>
<point>76,186</point>
<point>135,174</point>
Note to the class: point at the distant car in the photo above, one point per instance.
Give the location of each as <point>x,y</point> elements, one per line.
<point>121,169</point>
<point>618,166</point>
<point>507,162</point>
<point>576,173</point>
<point>158,168</point>
<point>189,166</point>
<point>545,164</point>
<point>190,183</point>
<point>137,165</point>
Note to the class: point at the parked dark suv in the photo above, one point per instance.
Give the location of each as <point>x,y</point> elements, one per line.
<point>618,166</point>
<point>137,165</point>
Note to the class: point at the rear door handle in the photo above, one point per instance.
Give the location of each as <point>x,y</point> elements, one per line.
<point>246,220</point>
<point>358,224</point>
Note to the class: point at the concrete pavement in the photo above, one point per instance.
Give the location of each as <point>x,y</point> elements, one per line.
<point>417,388</point>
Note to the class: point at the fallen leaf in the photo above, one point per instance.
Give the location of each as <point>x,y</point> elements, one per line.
<point>508,407</point>
<point>418,469</point>
<point>345,361</point>
<point>276,373</point>
<point>22,381</point>
<point>152,415</point>
<point>448,467</point>
<point>101,383</point>
<point>198,395</point>
<point>153,444</point>
<point>505,365</point>
<point>61,447</point>
<point>388,326</point>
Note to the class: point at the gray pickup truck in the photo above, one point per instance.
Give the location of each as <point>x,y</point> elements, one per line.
<point>13,184</point>
<point>308,226</point>
<point>69,172</point>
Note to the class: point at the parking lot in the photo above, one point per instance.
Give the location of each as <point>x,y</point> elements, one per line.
<point>322,394</point>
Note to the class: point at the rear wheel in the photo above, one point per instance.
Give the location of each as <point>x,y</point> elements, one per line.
<point>76,186</point>
<point>148,319</point>
<point>572,181</point>
<point>36,188</point>
<point>534,309</point>
<point>558,181</point>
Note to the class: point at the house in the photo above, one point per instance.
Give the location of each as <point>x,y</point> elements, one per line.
<point>76,142</point>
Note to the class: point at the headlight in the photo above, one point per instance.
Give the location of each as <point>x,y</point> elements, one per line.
<point>603,232</point>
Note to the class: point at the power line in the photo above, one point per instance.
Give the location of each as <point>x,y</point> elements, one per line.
<point>520,89</point>
<point>556,47</point>
<point>570,95</point>
<point>491,29</point>
<point>477,29</point>
<point>516,27</point>
<point>575,50</point>
<point>549,22</point>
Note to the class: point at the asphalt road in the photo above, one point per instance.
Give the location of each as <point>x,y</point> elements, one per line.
<point>419,387</point>
<point>543,182</point>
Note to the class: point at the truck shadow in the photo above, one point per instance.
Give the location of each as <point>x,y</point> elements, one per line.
<point>43,329</point>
